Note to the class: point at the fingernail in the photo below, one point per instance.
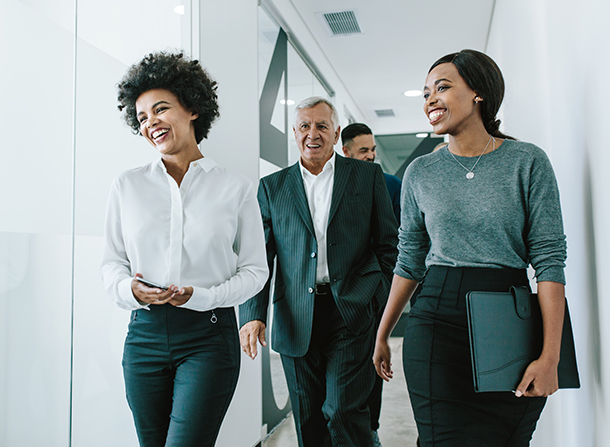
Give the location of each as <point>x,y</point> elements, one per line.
<point>518,393</point>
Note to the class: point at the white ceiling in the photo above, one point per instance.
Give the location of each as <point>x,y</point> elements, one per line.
<point>400,40</point>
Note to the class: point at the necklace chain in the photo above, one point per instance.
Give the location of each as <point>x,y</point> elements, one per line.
<point>470,174</point>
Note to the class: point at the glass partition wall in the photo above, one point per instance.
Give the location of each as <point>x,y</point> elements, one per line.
<point>35,227</point>
<point>60,336</point>
<point>284,81</point>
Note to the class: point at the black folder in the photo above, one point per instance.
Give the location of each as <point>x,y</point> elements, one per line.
<point>505,330</point>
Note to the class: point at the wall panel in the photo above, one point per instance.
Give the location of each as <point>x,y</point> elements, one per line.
<point>36,56</point>
<point>550,56</point>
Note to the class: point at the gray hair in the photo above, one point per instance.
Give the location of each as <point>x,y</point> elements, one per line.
<point>313,101</point>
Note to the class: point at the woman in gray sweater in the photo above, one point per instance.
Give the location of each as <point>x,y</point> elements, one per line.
<point>475,214</point>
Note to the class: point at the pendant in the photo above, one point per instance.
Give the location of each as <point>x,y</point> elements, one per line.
<point>470,175</point>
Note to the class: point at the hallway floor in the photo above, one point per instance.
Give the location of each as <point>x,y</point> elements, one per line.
<point>397,427</point>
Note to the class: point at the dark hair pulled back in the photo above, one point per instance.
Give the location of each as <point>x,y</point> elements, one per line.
<point>483,76</point>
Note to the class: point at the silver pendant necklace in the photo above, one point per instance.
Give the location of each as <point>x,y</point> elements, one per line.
<point>470,173</point>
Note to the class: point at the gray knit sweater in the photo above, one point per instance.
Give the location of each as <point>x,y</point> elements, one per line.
<point>508,215</point>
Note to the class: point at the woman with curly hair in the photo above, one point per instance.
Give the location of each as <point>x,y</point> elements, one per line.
<point>475,214</point>
<point>183,244</point>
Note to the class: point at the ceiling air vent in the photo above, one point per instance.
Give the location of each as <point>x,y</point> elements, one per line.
<point>340,23</point>
<point>385,113</point>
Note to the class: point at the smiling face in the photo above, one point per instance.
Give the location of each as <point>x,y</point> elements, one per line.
<point>362,147</point>
<point>316,136</point>
<point>450,103</point>
<point>164,122</point>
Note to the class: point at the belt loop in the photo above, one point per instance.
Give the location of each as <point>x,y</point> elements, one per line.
<point>515,280</point>
<point>322,289</point>
<point>437,275</point>
<point>519,276</point>
<point>451,281</point>
<point>459,294</point>
<point>442,283</point>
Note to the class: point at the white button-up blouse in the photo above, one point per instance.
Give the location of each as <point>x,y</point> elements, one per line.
<point>206,233</point>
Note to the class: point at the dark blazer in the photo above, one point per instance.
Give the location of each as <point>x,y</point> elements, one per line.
<point>361,238</point>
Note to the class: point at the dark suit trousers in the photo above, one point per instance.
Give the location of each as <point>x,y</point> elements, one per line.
<point>181,369</point>
<point>330,384</point>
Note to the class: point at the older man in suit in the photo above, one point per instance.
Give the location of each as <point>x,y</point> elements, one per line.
<point>328,221</point>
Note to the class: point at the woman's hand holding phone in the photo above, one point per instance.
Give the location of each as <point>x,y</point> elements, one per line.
<point>181,296</point>
<point>148,292</point>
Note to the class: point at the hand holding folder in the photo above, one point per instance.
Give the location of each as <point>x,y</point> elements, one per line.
<point>505,330</point>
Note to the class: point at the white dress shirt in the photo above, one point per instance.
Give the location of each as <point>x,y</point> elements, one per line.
<point>319,191</point>
<point>206,233</point>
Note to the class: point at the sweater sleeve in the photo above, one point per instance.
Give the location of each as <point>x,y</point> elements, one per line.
<point>413,238</point>
<point>544,235</point>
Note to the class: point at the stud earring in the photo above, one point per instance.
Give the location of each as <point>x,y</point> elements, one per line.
<point>477,99</point>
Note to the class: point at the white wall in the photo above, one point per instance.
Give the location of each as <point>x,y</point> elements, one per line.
<point>228,47</point>
<point>554,56</point>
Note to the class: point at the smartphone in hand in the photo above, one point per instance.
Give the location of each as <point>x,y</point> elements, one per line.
<point>151,284</point>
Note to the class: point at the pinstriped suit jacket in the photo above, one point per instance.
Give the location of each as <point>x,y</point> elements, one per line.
<point>361,238</point>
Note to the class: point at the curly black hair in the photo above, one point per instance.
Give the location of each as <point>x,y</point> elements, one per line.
<point>175,72</point>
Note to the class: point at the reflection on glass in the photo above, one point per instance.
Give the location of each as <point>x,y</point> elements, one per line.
<point>268,31</point>
<point>301,84</point>
<point>267,37</point>
<point>278,379</point>
<point>36,56</point>
<point>128,30</point>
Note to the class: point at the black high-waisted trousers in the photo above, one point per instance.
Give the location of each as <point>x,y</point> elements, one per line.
<point>436,359</point>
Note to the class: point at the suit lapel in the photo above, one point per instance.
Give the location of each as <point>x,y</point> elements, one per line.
<point>297,189</point>
<point>343,169</point>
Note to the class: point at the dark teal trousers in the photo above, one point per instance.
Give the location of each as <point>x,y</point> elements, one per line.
<point>181,369</point>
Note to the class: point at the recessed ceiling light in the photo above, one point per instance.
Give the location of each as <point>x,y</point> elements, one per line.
<point>179,9</point>
<point>289,102</point>
<point>413,93</point>
<point>421,135</point>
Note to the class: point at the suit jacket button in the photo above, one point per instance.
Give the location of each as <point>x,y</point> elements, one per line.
<point>311,290</point>
<point>313,255</point>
